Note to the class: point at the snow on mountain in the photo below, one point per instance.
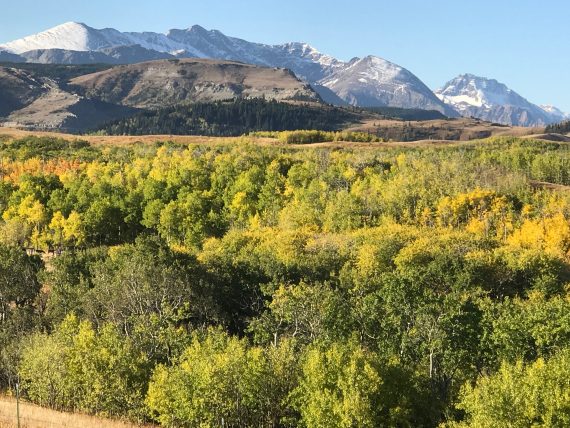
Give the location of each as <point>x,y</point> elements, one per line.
<point>193,42</point>
<point>555,112</point>
<point>303,59</point>
<point>373,81</point>
<point>74,36</point>
<point>367,82</point>
<point>488,99</point>
<point>69,36</point>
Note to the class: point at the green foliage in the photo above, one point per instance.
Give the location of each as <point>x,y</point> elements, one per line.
<point>231,118</point>
<point>520,395</point>
<point>275,285</point>
<point>142,279</point>
<point>78,368</point>
<point>345,385</point>
<point>341,388</point>
<point>46,148</point>
<point>559,128</point>
<point>19,291</point>
<point>309,137</point>
<point>219,380</point>
<point>69,281</point>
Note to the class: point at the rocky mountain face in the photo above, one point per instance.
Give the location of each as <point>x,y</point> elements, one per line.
<point>555,112</point>
<point>116,55</point>
<point>373,81</point>
<point>18,89</point>
<point>340,82</point>
<point>487,99</point>
<point>162,83</point>
<point>32,100</point>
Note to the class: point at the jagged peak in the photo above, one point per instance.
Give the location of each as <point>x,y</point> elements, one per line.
<point>196,29</point>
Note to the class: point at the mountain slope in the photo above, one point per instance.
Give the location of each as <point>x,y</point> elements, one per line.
<point>487,99</point>
<point>74,36</point>
<point>373,81</point>
<point>194,42</point>
<point>162,83</point>
<point>555,112</point>
<point>383,87</point>
<point>18,89</point>
<point>113,55</point>
<point>10,57</point>
<point>32,101</point>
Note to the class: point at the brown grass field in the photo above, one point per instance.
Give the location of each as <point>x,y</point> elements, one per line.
<point>32,416</point>
<point>467,125</point>
<point>463,128</point>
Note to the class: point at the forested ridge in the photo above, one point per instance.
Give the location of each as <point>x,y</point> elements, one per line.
<point>232,118</point>
<point>243,116</point>
<point>239,285</point>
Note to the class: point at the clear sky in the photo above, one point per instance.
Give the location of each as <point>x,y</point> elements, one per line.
<point>523,43</point>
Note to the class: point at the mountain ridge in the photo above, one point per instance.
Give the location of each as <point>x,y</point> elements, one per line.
<point>37,100</point>
<point>493,101</point>
<point>370,81</point>
<point>196,42</point>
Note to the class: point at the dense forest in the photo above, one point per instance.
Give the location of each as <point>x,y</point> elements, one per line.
<point>559,128</point>
<point>232,118</point>
<point>244,116</point>
<point>245,285</point>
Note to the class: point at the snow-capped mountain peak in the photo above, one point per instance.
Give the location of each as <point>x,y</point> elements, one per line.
<point>377,69</point>
<point>71,36</point>
<point>555,111</point>
<point>373,81</point>
<point>368,82</point>
<point>468,90</point>
<point>488,99</point>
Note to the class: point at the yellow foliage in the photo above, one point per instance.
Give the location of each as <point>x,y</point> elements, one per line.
<point>551,235</point>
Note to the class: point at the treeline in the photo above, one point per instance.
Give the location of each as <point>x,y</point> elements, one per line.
<point>559,128</point>
<point>252,285</point>
<point>407,114</point>
<point>232,118</point>
<point>314,136</point>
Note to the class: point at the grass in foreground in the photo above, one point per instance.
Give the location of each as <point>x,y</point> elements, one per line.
<point>32,416</point>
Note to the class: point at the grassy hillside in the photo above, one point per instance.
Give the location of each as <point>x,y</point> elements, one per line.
<point>60,72</point>
<point>406,114</point>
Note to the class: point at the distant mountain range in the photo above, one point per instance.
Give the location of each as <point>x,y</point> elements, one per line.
<point>364,82</point>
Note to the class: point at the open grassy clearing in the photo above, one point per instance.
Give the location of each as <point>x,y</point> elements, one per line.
<point>32,416</point>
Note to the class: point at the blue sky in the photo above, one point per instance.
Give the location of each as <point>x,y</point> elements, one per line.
<point>523,43</point>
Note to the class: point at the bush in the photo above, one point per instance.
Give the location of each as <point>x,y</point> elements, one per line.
<point>521,395</point>
<point>220,381</point>
<point>309,137</point>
